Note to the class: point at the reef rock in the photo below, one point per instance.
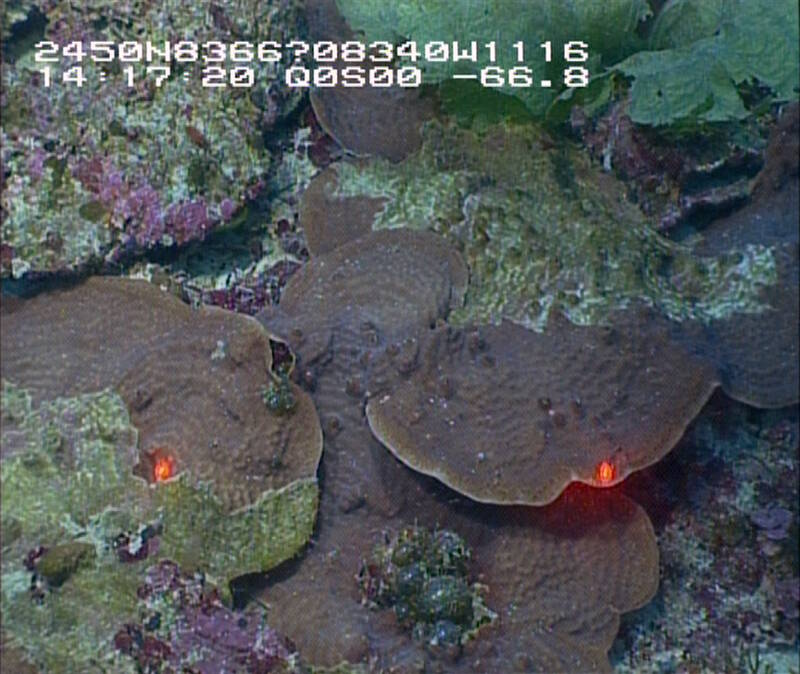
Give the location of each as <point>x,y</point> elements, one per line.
<point>161,154</point>
<point>543,231</point>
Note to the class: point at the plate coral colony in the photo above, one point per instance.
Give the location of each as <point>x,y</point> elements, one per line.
<point>349,336</point>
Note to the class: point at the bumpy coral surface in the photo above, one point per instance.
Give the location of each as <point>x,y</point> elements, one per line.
<point>545,233</point>
<point>506,415</point>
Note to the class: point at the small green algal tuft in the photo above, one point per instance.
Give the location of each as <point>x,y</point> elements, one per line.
<point>278,396</point>
<point>60,562</point>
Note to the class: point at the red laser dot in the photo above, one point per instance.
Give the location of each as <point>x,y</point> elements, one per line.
<point>163,469</point>
<point>605,472</point>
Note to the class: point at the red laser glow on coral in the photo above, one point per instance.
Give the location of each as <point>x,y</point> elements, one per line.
<point>605,473</point>
<point>163,469</point>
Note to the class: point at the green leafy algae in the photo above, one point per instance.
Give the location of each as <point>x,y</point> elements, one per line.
<point>543,229</point>
<point>607,27</point>
<point>68,485</point>
<point>706,50</point>
<point>681,22</point>
<point>703,51</point>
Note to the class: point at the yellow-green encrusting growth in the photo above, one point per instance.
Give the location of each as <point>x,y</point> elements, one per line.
<point>68,485</point>
<point>543,230</point>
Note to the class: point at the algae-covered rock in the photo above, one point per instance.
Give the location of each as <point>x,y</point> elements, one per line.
<point>59,563</point>
<point>184,626</point>
<point>543,230</point>
<point>62,470</point>
<point>103,157</point>
<point>68,485</point>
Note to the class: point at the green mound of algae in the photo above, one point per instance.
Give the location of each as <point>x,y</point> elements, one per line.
<point>542,229</point>
<point>68,485</point>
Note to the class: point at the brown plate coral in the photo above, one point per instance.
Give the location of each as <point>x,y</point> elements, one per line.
<point>149,346</point>
<point>557,578</point>
<point>553,577</point>
<point>194,382</point>
<point>328,222</point>
<point>448,401</point>
<point>506,415</point>
<point>138,428</point>
<point>356,116</point>
<point>386,284</point>
<point>602,399</point>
